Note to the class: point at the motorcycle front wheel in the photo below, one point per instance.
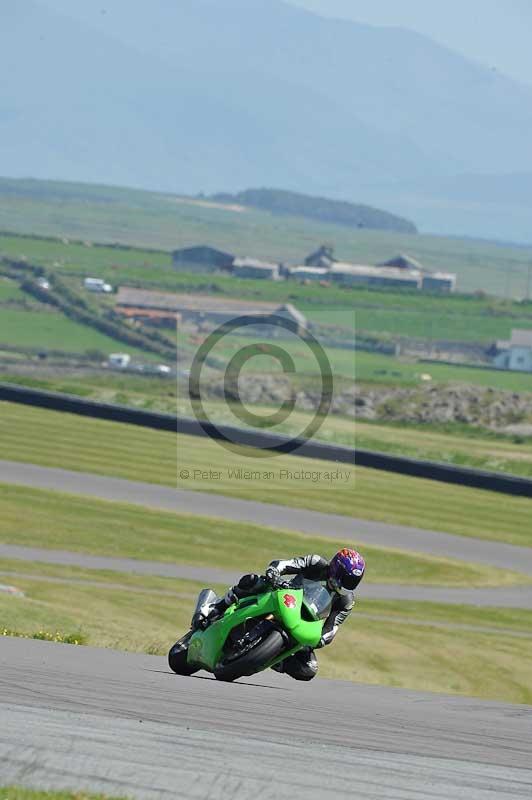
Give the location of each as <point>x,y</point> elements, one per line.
<point>253,661</point>
<point>177,657</point>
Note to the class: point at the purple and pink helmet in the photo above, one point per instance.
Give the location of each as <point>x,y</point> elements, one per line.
<point>346,570</point>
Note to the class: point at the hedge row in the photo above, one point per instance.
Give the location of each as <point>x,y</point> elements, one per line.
<point>74,306</point>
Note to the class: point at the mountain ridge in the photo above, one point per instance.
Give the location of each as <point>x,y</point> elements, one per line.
<point>189,96</point>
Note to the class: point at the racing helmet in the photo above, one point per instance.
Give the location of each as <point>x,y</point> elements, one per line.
<point>346,570</point>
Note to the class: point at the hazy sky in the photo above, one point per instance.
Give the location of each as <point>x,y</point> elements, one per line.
<point>495,32</point>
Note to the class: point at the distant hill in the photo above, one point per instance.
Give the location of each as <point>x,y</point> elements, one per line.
<point>192,95</point>
<point>337,212</point>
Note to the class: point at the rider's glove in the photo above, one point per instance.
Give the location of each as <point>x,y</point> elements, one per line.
<point>199,621</point>
<point>327,637</point>
<point>273,576</point>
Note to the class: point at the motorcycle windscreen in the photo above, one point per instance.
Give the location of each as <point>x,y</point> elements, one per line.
<point>317,599</point>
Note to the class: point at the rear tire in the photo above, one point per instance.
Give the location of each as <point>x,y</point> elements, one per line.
<point>177,658</point>
<point>253,661</point>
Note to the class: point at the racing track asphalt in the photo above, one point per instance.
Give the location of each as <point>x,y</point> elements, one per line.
<point>336,526</point>
<point>123,724</point>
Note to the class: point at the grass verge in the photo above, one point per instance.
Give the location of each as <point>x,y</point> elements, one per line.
<point>54,439</point>
<point>490,665</point>
<point>117,616</point>
<point>19,793</point>
<point>46,636</point>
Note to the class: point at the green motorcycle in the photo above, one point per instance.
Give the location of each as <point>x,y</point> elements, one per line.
<point>256,633</point>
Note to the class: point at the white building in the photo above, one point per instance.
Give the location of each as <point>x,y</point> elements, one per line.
<point>253,268</point>
<point>305,273</point>
<point>516,353</point>
<point>351,274</point>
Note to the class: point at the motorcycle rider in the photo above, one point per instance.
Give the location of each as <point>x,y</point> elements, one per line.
<point>341,575</point>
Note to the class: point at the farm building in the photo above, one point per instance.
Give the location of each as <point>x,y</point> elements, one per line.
<point>322,257</point>
<point>439,282</point>
<point>516,353</point>
<point>202,258</point>
<point>202,308</point>
<point>401,270</point>
<point>351,274</point>
<point>305,273</point>
<point>158,317</point>
<point>253,268</point>
<point>402,261</point>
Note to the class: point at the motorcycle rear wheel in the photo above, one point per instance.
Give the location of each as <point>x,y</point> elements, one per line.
<point>252,661</point>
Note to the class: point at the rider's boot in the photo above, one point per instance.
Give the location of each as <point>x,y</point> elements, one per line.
<point>220,607</point>
<point>246,585</point>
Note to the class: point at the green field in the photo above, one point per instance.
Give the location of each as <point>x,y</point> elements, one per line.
<point>76,258</point>
<point>62,440</point>
<point>10,292</point>
<point>50,330</point>
<point>450,322</point>
<point>107,214</point>
<point>366,367</point>
<point>377,368</point>
<point>342,361</point>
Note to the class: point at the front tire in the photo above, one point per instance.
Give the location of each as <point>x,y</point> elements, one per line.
<point>177,658</point>
<point>252,661</point>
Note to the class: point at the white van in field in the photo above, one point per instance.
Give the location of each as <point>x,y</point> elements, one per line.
<point>120,360</point>
<point>97,285</point>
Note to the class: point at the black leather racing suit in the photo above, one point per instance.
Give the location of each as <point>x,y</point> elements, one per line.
<point>302,666</point>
